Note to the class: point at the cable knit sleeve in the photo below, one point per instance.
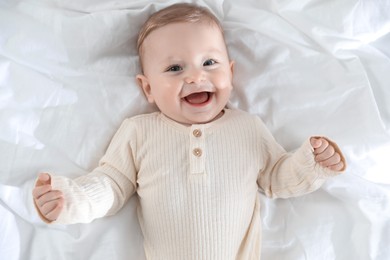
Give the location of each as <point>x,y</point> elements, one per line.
<point>106,189</point>
<point>290,174</point>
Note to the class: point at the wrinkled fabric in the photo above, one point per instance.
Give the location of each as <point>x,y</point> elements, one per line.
<point>67,81</point>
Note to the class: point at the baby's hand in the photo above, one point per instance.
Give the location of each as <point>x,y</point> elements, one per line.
<point>326,155</point>
<point>49,202</point>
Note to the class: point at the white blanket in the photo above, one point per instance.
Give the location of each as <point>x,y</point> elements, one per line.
<point>306,67</point>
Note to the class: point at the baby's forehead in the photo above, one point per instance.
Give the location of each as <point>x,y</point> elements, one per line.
<point>179,32</point>
<point>198,25</point>
<point>165,31</point>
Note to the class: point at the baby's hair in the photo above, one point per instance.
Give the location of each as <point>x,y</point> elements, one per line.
<point>177,13</point>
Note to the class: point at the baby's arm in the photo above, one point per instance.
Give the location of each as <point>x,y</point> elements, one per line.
<point>99,193</point>
<point>48,202</point>
<point>286,175</point>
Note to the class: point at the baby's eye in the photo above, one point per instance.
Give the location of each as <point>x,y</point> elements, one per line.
<point>209,62</point>
<point>174,68</point>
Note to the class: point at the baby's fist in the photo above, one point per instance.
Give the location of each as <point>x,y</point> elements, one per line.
<point>49,202</point>
<point>326,154</point>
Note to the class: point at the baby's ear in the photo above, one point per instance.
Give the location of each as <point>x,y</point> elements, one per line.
<point>232,62</point>
<point>143,82</point>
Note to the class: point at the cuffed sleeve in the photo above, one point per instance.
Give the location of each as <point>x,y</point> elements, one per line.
<point>291,174</point>
<point>106,189</point>
<point>92,196</point>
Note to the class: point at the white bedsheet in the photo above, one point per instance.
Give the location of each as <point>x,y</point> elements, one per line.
<point>306,67</point>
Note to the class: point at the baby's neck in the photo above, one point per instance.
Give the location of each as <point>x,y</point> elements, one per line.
<point>220,114</point>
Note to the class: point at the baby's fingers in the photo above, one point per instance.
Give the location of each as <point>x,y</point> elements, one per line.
<point>52,209</point>
<point>47,197</point>
<point>53,215</point>
<point>320,146</point>
<point>43,179</point>
<point>41,190</point>
<point>337,167</point>
<point>326,154</point>
<point>332,160</point>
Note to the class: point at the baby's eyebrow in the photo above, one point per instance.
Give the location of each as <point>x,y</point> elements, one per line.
<point>220,51</point>
<point>173,60</point>
<point>167,61</point>
<point>217,50</point>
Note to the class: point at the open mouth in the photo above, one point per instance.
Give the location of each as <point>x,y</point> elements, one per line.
<point>199,98</point>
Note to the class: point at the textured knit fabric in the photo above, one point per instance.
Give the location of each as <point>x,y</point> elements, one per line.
<point>197,185</point>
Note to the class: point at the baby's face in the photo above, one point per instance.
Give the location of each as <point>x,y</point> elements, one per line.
<point>187,71</point>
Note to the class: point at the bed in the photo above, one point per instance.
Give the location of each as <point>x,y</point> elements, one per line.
<point>308,67</point>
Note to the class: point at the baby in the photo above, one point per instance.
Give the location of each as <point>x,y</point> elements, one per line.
<point>196,166</point>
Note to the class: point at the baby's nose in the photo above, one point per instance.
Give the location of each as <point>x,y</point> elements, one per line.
<point>194,76</point>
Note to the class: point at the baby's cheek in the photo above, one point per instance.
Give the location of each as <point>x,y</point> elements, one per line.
<point>223,80</point>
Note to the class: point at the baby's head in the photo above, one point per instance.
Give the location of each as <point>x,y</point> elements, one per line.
<point>177,13</point>
<point>185,64</point>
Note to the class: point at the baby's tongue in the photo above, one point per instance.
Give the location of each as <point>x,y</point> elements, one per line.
<point>197,98</point>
